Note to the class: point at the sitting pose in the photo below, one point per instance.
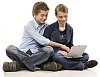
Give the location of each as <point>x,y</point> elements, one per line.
<point>61,32</point>
<point>34,49</point>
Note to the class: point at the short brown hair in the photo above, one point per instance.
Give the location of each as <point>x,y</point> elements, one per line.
<point>62,8</point>
<point>39,6</point>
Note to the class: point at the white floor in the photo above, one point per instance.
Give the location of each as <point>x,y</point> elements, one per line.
<point>93,72</point>
<point>64,73</point>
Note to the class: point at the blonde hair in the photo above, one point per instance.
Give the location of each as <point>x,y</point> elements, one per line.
<point>62,8</point>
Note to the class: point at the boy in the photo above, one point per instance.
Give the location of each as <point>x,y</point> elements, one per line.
<point>34,49</point>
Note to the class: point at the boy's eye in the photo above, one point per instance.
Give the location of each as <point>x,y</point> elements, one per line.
<point>60,16</point>
<point>44,15</point>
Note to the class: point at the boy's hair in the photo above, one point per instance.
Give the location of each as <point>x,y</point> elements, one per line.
<point>62,8</point>
<point>39,6</point>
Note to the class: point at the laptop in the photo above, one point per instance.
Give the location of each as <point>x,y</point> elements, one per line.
<point>76,51</point>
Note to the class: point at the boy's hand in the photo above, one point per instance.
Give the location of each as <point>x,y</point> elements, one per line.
<point>64,47</point>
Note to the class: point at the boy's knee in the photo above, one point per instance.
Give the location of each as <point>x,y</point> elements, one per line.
<point>48,48</point>
<point>9,48</point>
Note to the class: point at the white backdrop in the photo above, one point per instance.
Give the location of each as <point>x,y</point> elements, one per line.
<point>84,16</point>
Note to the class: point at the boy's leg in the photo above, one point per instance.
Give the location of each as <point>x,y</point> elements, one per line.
<point>38,58</point>
<point>30,61</point>
<point>16,56</point>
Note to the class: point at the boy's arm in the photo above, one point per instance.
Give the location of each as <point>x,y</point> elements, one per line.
<point>36,36</point>
<point>64,47</point>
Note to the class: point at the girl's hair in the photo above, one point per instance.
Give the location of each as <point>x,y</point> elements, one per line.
<point>62,8</point>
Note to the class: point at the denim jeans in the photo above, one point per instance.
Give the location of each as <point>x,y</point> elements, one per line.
<point>71,63</point>
<point>30,61</point>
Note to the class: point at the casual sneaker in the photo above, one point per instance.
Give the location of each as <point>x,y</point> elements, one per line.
<point>90,64</point>
<point>11,66</point>
<point>49,66</point>
<point>59,66</point>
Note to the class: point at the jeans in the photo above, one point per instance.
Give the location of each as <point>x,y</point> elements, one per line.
<point>71,63</point>
<point>30,61</point>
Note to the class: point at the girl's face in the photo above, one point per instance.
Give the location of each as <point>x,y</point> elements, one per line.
<point>62,17</point>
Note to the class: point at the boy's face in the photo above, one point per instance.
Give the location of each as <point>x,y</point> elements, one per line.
<point>41,17</point>
<point>62,17</point>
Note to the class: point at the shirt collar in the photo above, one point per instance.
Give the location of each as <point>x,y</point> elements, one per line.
<point>37,25</point>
